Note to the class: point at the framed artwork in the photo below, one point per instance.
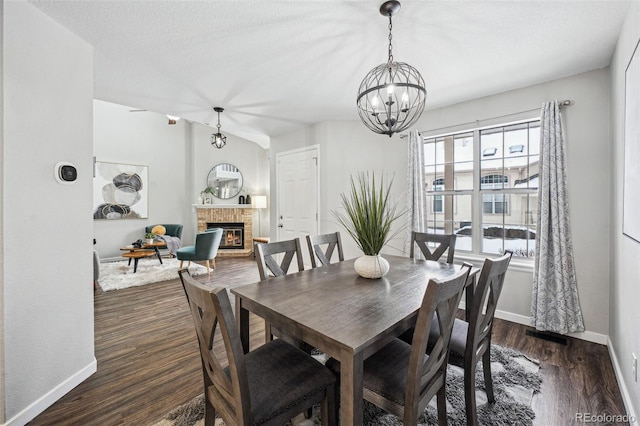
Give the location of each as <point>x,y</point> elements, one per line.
<point>120,191</point>
<point>631,188</point>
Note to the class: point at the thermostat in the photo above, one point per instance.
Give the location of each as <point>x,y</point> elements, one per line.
<point>65,172</point>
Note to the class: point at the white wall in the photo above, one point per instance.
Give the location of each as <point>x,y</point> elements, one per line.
<point>179,157</point>
<point>47,274</point>
<point>347,147</point>
<point>625,253</point>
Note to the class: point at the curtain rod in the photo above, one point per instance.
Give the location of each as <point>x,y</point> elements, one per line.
<point>563,103</point>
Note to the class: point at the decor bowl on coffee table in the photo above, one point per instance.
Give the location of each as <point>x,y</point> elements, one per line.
<point>368,216</point>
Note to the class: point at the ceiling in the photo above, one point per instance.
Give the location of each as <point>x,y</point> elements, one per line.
<point>276,66</point>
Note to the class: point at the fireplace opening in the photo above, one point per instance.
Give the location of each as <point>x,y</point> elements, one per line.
<point>232,234</point>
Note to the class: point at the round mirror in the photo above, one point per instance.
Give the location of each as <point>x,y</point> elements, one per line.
<point>225,181</point>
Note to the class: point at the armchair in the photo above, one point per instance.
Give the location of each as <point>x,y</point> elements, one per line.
<point>205,249</point>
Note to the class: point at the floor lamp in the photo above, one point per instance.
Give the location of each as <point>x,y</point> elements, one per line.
<point>259,202</point>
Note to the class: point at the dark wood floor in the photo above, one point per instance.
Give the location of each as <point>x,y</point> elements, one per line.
<point>148,360</point>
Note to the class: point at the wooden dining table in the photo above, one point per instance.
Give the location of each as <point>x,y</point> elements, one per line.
<point>342,314</point>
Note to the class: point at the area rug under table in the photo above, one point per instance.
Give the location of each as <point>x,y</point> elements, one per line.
<point>515,379</point>
<point>119,275</point>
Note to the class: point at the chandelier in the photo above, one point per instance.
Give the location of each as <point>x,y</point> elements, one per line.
<point>218,139</point>
<point>391,96</point>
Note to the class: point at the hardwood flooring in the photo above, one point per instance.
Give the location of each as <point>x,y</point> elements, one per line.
<point>148,360</point>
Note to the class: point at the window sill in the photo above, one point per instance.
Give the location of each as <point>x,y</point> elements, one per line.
<point>517,263</point>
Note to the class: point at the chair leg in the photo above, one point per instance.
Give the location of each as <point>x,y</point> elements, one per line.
<point>327,407</point>
<point>488,380</point>
<point>181,262</point>
<point>442,405</point>
<point>213,263</point>
<point>470,390</point>
<point>208,268</point>
<point>209,413</point>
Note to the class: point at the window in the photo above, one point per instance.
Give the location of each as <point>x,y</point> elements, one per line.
<point>494,203</point>
<point>490,175</point>
<point>438,200</point>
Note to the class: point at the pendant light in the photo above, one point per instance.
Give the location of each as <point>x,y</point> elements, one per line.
<point>218,139</point>
<point>391,96</point>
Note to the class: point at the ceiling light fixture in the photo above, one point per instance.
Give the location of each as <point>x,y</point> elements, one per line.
<point>391,96</point>
<point>218,139</point>
<point>173,119</point>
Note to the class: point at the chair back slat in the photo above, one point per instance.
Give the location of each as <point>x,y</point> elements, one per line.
<point>441,299</point>
<point>267,262</point>
<point>316,243</point>
<point>444,242</point>
<point>211,312</point>
<point>485,300</point>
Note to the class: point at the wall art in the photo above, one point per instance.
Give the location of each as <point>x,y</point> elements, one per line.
<point>120,191</point>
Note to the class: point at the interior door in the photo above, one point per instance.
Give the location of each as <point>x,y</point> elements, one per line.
<point>298,193</point>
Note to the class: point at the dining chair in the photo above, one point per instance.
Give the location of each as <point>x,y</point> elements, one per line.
<point>316,243</point>
<point>267,386</point>
<point>268,267</point>
<point>443,241</point>
<point>471,341</point>
<point>401,378</point>
<point>267,263</point>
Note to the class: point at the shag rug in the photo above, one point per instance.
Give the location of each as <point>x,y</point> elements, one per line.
<point>515,379</point>
<point>119,275</point>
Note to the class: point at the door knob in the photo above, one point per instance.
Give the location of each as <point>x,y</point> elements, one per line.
<point>280,225</point>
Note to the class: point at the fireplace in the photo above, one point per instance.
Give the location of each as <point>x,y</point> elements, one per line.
<point>232,234</point>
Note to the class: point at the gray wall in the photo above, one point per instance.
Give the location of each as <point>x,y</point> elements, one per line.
<point>347,147</point>
<point>47,291</point>
<point>625,253</point>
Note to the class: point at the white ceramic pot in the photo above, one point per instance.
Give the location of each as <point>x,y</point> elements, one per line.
<point>371,266</point>
<point>149,240</point>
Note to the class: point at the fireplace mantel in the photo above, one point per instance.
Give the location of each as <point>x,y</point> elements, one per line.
<point>228,213</point>
<point>222,206</point>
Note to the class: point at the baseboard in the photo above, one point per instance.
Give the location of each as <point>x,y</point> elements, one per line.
<point>52,396</point>
<point>626,398</point>
<point>589,336</point>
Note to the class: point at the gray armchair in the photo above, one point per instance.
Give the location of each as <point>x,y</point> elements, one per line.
<point>205,249</point>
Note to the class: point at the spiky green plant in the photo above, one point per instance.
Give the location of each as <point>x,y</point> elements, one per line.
<point>369,212</point>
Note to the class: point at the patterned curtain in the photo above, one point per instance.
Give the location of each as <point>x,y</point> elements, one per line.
<point>416,198</point>
<point>555,305</point>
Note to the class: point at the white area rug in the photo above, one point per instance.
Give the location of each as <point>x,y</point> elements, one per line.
<point>119,275</point>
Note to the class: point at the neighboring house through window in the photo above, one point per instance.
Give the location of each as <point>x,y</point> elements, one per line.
<point>490,175</point>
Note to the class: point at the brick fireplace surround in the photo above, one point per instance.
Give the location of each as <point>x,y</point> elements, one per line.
<point>212,213</point>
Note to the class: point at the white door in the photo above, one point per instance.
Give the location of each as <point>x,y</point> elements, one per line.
<point>298,194</point>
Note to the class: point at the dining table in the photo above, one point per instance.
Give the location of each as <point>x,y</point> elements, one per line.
<point>344,315</point>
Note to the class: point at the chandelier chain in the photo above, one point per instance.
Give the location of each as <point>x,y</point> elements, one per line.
<point>390,45</point>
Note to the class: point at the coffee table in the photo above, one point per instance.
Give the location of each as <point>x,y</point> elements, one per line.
<point>153,247</point>
<point>137,255</point>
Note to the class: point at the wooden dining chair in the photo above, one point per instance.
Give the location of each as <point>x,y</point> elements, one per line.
<point>424,240</point>
<point>267,386</point>
<point>471,341</point>
<point>400,378</point>
<point>316,243</point>
<point>268,267</point>
<point>267,263</point>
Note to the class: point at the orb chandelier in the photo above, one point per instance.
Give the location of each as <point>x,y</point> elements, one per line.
<point>218,139</point>
<point>391,96</point>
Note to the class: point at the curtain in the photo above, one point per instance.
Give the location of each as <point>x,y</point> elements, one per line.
<point>416,198</point>
<point>555,305</point>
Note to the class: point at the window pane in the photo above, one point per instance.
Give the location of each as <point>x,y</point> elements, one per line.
<point>488,166</point>
<point>439,151</point>
<point>429,153</point>
<point>463,176</point>
<point>463,148</point>
<point>514,230</point>
<point>491,141</point>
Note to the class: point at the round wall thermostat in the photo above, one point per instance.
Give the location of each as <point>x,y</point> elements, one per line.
<point>65,172</point>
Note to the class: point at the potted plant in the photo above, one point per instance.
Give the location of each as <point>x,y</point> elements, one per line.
<point>149,237</point>
<point>369,214</point>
